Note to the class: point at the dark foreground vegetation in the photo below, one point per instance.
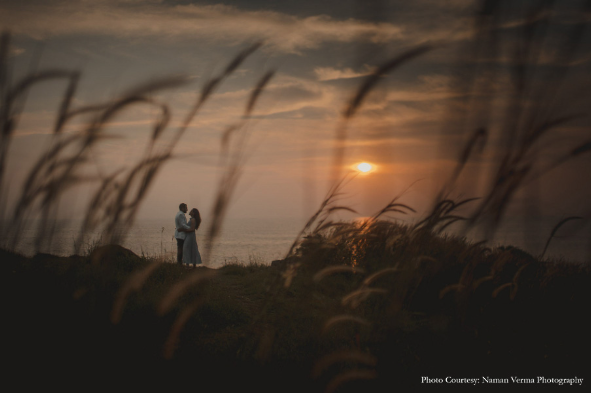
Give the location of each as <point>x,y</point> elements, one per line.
<point>370,307</point>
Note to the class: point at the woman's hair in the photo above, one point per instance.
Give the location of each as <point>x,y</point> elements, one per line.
<point>197,217</point>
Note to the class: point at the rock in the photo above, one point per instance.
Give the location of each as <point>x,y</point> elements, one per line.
<point>111,253</point>
<point>279,263</point>
<point>283,262</point>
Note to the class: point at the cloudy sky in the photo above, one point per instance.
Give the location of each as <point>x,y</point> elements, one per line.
<point>411,126</point>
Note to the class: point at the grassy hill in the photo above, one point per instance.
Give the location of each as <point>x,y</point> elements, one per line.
<point>372,307</point>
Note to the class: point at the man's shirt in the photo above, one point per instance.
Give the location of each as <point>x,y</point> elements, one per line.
<point>180,221</point>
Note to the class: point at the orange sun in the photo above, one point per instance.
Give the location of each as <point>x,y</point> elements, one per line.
<point>364,167</point>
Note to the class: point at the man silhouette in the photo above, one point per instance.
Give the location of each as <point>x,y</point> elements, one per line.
<point>180,222</point>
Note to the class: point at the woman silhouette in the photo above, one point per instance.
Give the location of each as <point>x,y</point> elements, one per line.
<point>191,254</point>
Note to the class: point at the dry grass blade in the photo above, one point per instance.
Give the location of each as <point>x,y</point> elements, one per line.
<point>225,140</point>
<point>535,99</point>
<point>349,376</point>
<point>555,229</point>
<point>356,101</point>
<point>23,86</point>
<point>92,219</point>
<point>344,318</point>
<point>211,85</point>
<point>160,125</point>
<point>343,357</point>
<point>126,101</point>
<point>156,85</point>
<point>452,220</point>
<point>179,323</point>
<point>4,50</point>
<point>479,136</point>
<point>339,208</point>
<point>583,148</point>
<point>181,287</point>
<point>257,92</point>
<point>13,101</point>
<point>233,168</point>
<point>396,207</point>
<point>332,194</point>
<point>239,59</point>
<point>327,271</point>
<point>540,130</point>
<point>117,212</point>
<point>133,284</point>
<point>66,102</point>
<point>384,69</point>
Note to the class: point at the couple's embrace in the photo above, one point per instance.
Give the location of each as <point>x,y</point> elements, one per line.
<point>186,241</point>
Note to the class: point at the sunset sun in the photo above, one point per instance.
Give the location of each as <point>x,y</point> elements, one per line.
<point>364,167</point>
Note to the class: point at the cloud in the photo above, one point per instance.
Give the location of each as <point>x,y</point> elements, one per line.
<point>283,94</point>
<point>330,73</point>
<point>218,23</point>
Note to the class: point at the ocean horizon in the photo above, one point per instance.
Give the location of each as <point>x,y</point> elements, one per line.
<point>262,240</point>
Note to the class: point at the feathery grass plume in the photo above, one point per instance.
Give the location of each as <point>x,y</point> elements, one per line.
<point>388,270</point>
<point>481,281</point>
<point>265,345</point>
<point>371,80</point>
<point>233,161</point>
<point>500,288</point>
<point>133,284</point>
<point>327,271</point>
<point>289,273</point>
<point>179,289</point>
<point>343,319</point>
<point>451,288</point>
<point>171,343</point>
<point>467,277</point>
<point>56,170</point>
<point>555,229</point>
<point>211,85</point>
<point>331,197</point>
<point>4,52</point>
<point>51,175</point>
<point>355,298</point>
<point>349,376</point>
<point>440,217</point>
<point>466,285</point>
<point>114,207</point>
<point>477,140</point>
<point>352,356</point>
<point>330,224</point>
<point>394,207</point>
<point>355,103</point>
<point>535,101</point>
<point>516,277</point>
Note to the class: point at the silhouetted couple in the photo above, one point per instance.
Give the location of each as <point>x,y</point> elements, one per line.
<point>186,241</point>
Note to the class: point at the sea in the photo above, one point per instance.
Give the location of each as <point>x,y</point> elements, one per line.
<point>263,240</point>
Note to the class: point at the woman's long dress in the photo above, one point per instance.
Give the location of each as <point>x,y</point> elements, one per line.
<point>191,254</point>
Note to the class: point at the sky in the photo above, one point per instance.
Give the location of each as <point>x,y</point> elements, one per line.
<point>412,126</point>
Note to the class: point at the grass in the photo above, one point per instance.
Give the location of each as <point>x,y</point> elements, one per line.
<point>435,304</point>
<point>369,305</point>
